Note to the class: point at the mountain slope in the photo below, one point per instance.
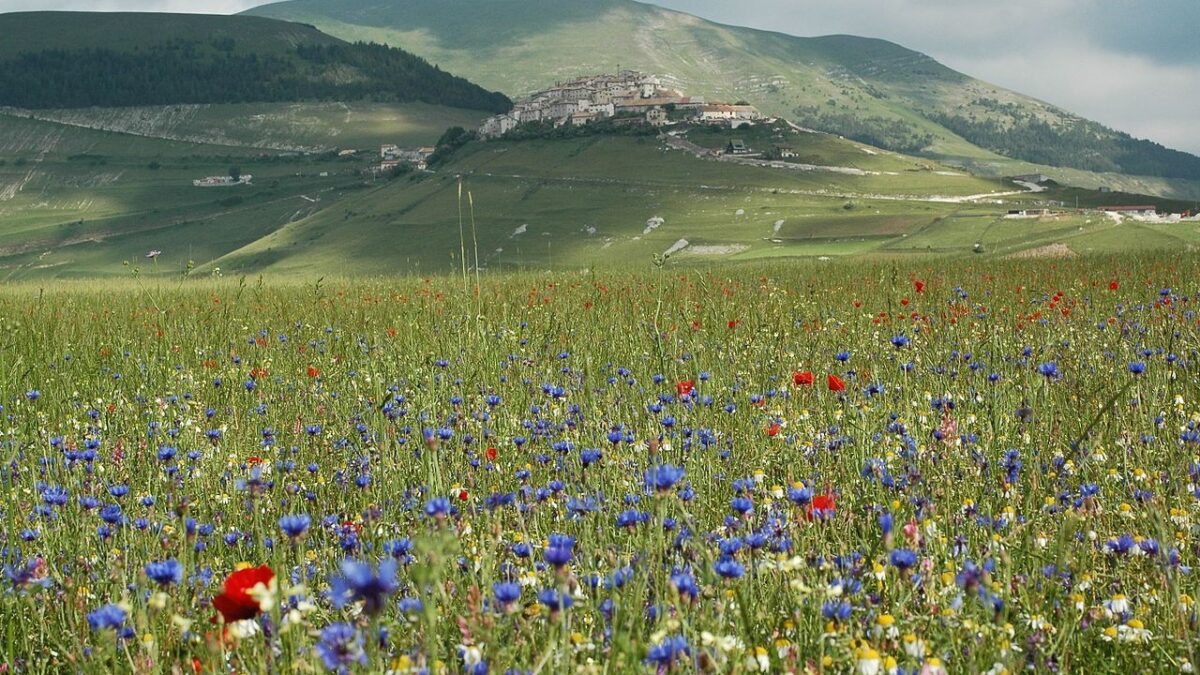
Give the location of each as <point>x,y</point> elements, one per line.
<point>81,59</point>
<point>871,90</point>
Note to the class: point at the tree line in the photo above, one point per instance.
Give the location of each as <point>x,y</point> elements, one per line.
<point>180,71</point>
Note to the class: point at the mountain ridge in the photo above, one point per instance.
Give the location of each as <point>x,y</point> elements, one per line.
<point>869,89</point>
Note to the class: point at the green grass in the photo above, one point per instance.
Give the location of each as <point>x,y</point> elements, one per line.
<point>998,478</point>
<point>79,202</point>
<point>309,127</point>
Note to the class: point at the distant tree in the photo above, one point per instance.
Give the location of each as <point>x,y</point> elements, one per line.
<point>452,136</point>
<point>235,173</point>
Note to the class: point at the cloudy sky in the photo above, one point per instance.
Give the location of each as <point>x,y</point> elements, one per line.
<point>1131,64</point>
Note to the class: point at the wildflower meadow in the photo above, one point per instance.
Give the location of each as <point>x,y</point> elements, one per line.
<point>870,468</point>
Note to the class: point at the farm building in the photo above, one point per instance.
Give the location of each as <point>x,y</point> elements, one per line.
<point>1036,178</point>
<point>1138,210</point>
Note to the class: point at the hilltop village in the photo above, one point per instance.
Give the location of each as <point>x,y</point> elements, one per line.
<point>628,95</point>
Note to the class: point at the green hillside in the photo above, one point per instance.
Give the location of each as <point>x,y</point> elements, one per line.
<point>616,201</point>
<point>82,59</point>
<point>298,127</point>
<point>79,202</point>
<point>870,90</point>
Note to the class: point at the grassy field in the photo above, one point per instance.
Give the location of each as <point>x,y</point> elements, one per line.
<point>596,203</point>
<point>305,127</point>
<point>929,465</point>
<point>81,192</point>
<point>80,202</point>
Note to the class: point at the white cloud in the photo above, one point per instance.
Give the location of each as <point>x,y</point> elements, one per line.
<point>1129,93</point>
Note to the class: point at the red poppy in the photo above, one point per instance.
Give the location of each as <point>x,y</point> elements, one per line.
<point>254,460</point>
<point>821,506</point>
<point>492,453</point>
<point>313,371</point>
<point>235,602</point>
<point>733,323</point>
<point>1113,285</point>
<point>685,387</point>
<point>835,383</point>
<point>773,430</point>
<point>463,495</point>
<point>919,285</point>
<point>802,378</point>
<point>258,373</point>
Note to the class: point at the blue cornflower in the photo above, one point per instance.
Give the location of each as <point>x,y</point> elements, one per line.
<point>685,584</point>
<point>663,477</point>
<point>885,522</point>
<point>559,556</point>
<point>728,568</point>
<point>1049,369</point>
<point>55,496</point>
<point>899,341</point>
<point>111,514</point>
<point>1122,545</point>
<point>557,540</point>
<point>295,525</point>
<point>554,600</point>
<point>107,617</point>
<point>410,605</point>
<point>1137,367</point>
<point>590,456</point>
<point>400,549</point>
<point>836,610</point>
<point>359,581</point>
<point>799,496</point>
<point>632,518</point>
<point>341,646</point>
<point>664,653</point>
<point>439,507</point>
<point>903,558</point>
<point>165,572</point>
<point>506,592</point>
<point>742,505</point>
